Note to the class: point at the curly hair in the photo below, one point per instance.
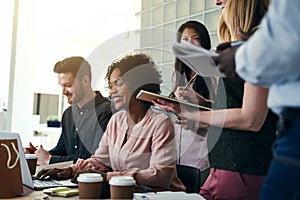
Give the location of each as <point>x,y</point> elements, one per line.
<point>138,71</point>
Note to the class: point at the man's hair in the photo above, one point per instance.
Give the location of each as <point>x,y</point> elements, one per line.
<point>76,65</point>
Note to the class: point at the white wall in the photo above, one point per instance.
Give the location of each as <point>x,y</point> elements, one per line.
<point>6,21</point>
<point>23,70</point>
<point>50,30</point>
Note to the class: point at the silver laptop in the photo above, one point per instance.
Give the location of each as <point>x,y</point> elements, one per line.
<point>26,176</point>
<point>42,184</point>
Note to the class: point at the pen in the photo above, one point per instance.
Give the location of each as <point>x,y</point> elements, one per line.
<point>226,45</point>
<point>188,84</point>
<point>172,95</point>
<point>190,81</point>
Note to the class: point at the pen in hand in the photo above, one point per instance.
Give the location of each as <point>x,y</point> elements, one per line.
<point>227,45</point>
<point>172,95</point>
<point>190,81</point>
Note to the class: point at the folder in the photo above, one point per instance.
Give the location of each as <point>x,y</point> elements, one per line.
<point>150,96</point>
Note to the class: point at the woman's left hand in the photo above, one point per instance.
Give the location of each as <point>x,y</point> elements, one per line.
<point>186,123</point>
<point>55,173</point>
<point>190,95</point>
<point>179,109</point>
<point>186,94</point>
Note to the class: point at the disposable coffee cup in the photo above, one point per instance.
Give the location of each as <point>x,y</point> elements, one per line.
<point>121,187</point>
<point>89,185</point>
<point>31,161</point>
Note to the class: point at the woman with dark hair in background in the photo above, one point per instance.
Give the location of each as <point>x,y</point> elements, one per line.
<point>190,135</point>
<point>242,126</point>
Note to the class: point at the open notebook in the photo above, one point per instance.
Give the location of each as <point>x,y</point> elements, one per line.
<point>26,176</point>
<point>150,96</point>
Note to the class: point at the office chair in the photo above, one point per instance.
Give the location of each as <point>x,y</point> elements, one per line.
<point>190,177</point>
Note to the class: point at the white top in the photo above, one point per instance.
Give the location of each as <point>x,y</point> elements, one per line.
<point>271,56</point>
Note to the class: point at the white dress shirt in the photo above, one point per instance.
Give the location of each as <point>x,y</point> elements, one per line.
<point>271,57</point>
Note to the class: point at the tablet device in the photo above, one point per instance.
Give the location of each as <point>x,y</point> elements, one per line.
<point>150,96</point>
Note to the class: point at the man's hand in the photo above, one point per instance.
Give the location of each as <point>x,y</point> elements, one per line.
<point>43,156</point>
<point>226,62</point>
<point>226,59</point>
<point>55,173</point>
<point>244,35</point>
<point>30,150</point>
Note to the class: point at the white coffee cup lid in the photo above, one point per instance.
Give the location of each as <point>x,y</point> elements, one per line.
<point>89,177</point>
<point>122,181</point>
<point>31,156</point>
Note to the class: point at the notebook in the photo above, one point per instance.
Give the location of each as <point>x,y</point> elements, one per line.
<point>27,179</point>
<point>150,96</point>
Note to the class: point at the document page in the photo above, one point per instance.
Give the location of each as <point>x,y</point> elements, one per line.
<point>197,58</point>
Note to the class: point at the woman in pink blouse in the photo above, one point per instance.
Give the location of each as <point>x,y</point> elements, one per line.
<point>138,142</point>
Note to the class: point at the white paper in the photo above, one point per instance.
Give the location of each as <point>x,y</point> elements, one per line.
<point>168,195</point>
<point>197,58</point>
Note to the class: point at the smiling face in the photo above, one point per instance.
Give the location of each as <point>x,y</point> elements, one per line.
<point>71,87</point>
<point>119,91</point>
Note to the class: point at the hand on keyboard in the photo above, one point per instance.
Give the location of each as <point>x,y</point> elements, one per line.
<point>55,173</point>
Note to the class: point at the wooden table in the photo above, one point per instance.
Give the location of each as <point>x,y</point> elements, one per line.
<point>30,194</point>
<point>39,195</point>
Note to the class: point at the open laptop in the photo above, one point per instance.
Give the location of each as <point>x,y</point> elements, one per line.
<point>26,176</point>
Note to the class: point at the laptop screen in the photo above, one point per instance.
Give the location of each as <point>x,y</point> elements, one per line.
<point>26,176</point>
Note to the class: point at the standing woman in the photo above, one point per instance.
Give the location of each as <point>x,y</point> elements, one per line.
<point>241,156</point>
<point>191,135</point>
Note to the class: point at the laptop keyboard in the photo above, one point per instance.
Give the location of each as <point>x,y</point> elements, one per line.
<point>45,183</point>
<point>40,184</point>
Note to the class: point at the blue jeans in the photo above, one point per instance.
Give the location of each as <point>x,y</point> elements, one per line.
<point>283,178</point>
